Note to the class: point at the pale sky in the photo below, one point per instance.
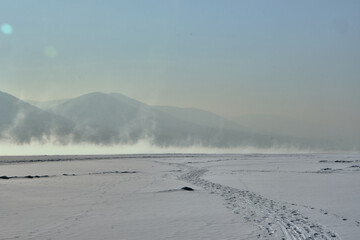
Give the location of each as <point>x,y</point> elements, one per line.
<point>299,59</point>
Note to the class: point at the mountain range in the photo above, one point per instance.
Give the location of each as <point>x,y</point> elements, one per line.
<point>109,119</point>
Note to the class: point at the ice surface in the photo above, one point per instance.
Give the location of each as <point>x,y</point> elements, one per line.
<point>249,196</point>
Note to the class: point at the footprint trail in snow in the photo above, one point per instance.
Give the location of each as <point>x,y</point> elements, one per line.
<point>275,220</point>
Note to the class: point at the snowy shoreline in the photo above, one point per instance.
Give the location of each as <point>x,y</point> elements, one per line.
<point>236,196</point>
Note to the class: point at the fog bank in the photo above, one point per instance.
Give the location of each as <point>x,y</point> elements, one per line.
<point>142,147</point>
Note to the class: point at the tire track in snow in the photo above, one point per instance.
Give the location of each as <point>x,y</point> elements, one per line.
<point>275,219</point>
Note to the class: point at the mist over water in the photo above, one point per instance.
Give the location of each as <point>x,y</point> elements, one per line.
<point>142,147</point>
<point>99,123</point>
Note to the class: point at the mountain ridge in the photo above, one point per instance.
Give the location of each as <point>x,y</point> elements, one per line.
<point>114,118</point>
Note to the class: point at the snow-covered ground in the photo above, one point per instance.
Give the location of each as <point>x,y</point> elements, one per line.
<point>248,196</point>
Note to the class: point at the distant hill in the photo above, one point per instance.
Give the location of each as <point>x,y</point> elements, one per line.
<point>45,105</point>
<point>22,122</point>
<point>104,119</point>
<point>284,125</point>
<point>200,117</point>
<point>108,119</point>
<point>115,118</point>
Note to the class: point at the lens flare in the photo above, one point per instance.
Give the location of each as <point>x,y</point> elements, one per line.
<point>6,29</point>
<point>50,52</point>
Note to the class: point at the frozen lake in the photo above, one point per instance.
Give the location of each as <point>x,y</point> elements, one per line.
<point>245,196</point>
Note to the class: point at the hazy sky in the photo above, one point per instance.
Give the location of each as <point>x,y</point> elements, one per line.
<point>293,58</point>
